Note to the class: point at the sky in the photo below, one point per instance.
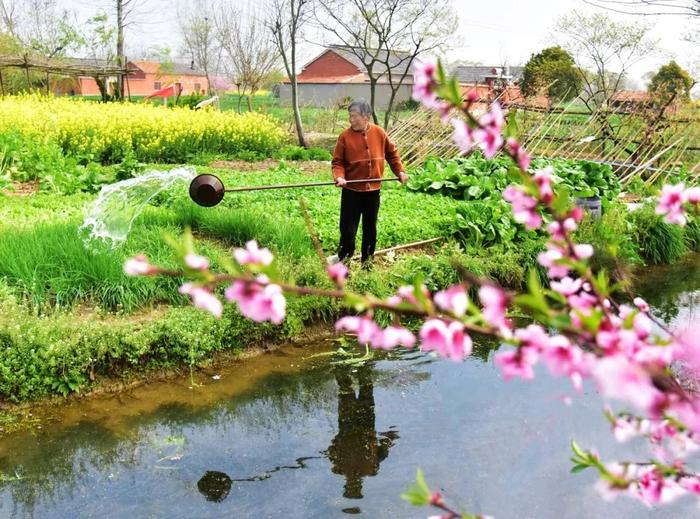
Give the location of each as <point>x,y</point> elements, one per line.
<point>509,33</point>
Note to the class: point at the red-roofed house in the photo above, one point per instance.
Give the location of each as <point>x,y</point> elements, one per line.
<point>630,99</point>
<point>144,79</point>
<point>338,73</point>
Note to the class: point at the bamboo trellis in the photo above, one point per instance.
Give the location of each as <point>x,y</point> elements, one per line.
<point>632,141</point>
<point>57,66</point>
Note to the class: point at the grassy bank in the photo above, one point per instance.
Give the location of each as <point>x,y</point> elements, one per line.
<point>69,318</point>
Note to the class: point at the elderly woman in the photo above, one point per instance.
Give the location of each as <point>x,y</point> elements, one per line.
<point>360,154</point>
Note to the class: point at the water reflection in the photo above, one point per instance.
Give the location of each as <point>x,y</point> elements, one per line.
<point>215,486</point>
<point>256,440</point>
<point>672,290</point>
<point>356,451</point>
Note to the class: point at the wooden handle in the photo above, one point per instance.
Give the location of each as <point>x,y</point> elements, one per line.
<point>309,184</point>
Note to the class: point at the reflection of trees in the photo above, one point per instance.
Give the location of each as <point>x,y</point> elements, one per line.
<point>41,473</point>
<point>356,451</point>
<point>669,288</point>
<point>59,459</point>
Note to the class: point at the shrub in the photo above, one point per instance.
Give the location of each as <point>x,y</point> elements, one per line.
<point>610,237</point>
<point>658,242</point>
<point>691,233</point>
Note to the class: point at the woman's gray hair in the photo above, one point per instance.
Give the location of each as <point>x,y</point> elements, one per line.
<point>360,105</point>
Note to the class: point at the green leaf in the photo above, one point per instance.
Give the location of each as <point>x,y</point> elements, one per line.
<point>529,302</point>
<point>511,129</point>
<point>419,493</point>
<point>355,301</point>
<point>577,450</point>
<point>475,191</point>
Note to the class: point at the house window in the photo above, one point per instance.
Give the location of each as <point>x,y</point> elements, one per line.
<point>197,87</point>
<point>156,85</point>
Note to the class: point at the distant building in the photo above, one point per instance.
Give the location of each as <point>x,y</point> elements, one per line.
<point>144,78</point>
<point>490,76</point>
<point>337,73</point>
<point>490,83</point>
<point>631,99</point>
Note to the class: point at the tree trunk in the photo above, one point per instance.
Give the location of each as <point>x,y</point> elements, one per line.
<point>297,113</point>
<point>2,85</point>
<point>250,103</point>
<point>103,89</point>
<point>210,90</point>
<point>372,98</point>
<point>390,107</point>
<point>120,49</point>
<point>240,98</point>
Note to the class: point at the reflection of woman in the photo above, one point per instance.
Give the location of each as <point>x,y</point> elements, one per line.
<point>356,452</point>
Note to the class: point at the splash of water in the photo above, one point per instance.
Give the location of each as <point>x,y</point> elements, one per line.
<point>110,217</point>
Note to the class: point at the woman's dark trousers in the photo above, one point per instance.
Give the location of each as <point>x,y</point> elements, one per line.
<point>354,204</point>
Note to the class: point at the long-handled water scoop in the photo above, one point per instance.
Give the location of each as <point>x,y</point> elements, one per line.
<point>208,190</point>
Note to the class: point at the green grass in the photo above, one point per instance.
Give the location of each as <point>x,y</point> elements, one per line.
<point>43,259</point>
<point>48,281</point>
<point>611,239</point>
<point>51,268</point>
<point>658,242</point>
<point>691,233</point>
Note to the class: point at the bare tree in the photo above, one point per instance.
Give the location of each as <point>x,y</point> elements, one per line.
<point>127,13</point>
<point>99,39</point>
<point>650,7</point>
<point>604,51</point>
<point>44,29</point>
<point>249,52</point>
<point>9,14</point>
<point>41,29</point>
<point>683,8</point>
<point>286,21</point>
<point>387,36</point>
<point>200,41</point>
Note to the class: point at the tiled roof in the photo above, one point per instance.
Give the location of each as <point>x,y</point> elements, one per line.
<point>631,96</point>
<point>180,69</point>
<point>476,74</point>
<point>398,60</point>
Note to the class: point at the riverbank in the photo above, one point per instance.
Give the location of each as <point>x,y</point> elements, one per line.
<point>296,430</point>
<point>70,318</point>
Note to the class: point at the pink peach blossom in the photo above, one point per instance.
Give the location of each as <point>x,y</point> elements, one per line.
<point>454,300</point>
<point>448,340</point>
<point>253,255</point>
<point>203,298</point>
<point>196,262</point>
<point>138,266</point>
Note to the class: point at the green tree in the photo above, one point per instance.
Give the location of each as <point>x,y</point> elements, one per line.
<point>671,82</point>
<point>11,79</point>
<point>100,41</point>
<point>552,71</point>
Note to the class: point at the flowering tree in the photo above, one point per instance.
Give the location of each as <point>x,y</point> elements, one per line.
<point>579,331</point>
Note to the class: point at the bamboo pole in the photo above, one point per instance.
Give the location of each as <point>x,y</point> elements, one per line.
<point>309,184</point>
<point>312,231</point>
<point>404,246</point>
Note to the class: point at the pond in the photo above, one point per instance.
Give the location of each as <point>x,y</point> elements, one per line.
<point>291,433</point>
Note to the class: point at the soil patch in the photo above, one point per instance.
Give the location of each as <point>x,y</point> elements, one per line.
<point>23,188</point>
